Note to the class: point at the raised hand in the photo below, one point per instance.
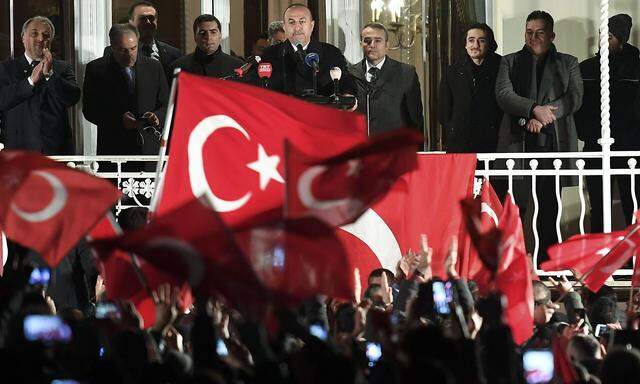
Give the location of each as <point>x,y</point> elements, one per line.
<point>47,62</point>
<point>423,269</point>
<point>452,259</point>
<point>386,290</point>
<point>165,298</point>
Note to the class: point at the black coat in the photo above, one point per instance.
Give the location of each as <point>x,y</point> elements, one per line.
<point>291,75</point>
<point>35,118</point>
<point>219,64</point>
<point>106,99</point>
<point>468,110</point>
<point>394,101</point>
<point>168,54</point>
<point>625,101</point>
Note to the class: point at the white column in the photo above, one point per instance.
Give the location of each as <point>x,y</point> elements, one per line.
<point>222,10</point>
<point>343,27</point>
<point>92,20</point>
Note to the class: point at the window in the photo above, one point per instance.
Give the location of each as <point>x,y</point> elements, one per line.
<point>170,16</point>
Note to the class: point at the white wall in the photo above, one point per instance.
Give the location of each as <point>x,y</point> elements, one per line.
<point>576,23</point>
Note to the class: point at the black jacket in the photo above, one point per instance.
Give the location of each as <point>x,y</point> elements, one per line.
<point>35,118</point>
<point>106,99</point>
<point>218,64</point>
<point>394,101</point>
<point>291,75</point>
<point>625,102</point>
<point>468,110</point>
<point>168,54</point>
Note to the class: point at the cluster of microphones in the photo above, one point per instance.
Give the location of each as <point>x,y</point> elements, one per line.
<point>311,59</point>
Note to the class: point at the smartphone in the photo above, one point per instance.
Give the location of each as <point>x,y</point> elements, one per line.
<point>107,310</point>
<point>538,366</point>
<point>318,331</point>
<point>221,348</point>
<point>440,298</point>
<point>46,328</point>
<point>40,276</point>
<point>601,330</point>
<point>373,353</point>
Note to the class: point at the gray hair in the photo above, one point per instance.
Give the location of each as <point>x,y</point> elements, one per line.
<point>41,19</point>
<point>118,30</point>
<point>275,27</point>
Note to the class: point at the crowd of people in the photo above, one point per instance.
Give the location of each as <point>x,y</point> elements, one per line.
<point>56,326</point>
<point>403,326</point>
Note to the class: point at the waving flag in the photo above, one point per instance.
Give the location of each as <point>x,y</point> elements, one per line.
<point>47,206</point>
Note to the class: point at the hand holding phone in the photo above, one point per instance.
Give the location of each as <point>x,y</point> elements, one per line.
<point>46,328</point>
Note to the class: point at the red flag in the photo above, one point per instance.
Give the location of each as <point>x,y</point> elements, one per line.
<point>299,258</point>
<point>339,189</point>
<point>191,244</point>
<point>487,208</point>
<point>47,206</point>
<point>228,143</point>
<point>563,367</point>
<point>513,277</point>
<point>635,279</point>
<point>595,257</point>
<point>425,200</point>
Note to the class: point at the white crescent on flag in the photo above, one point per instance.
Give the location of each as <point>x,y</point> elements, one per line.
<point>372,230</point>
<point>57,203</point>
<point>197,177</point>
<point>310,201</point>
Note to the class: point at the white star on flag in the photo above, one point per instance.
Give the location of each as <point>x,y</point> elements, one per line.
<point>267,167</point>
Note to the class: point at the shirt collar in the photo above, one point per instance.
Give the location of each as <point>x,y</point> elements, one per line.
<point>29,59</point>
<point>295,49</point>
<point>379,65</point>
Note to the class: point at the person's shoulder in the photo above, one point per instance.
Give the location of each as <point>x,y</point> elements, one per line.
<point>330,48</point>
<point>273,51</point>
<point>182,61</point>
<point>568,58</point>
<point>232,59</point>
<point>149,62</point>
<point>100,62</point>
<point>169,48</point>
<point>399,66</point>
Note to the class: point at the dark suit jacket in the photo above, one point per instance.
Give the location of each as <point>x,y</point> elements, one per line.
<point>168,54</point>
<point>106,98</point>
<point>219,64</point>
<point>35,118</point>
<point>291,76</point>
<point>395,100</point>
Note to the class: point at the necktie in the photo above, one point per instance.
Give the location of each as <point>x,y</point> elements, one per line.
<point>131,83</point>
<point>374,72</point>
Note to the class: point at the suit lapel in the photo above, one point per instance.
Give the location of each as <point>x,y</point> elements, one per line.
<point>142,81</point>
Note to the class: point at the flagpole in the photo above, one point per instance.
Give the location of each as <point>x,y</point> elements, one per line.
<point>583,277</point>
<point>163,143</point>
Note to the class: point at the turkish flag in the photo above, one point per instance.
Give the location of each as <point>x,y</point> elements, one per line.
<point>299,258</point>
<point>485,211</point>
<point>425,200</point>
<point>338,189</point>
<point>191,245</point>
<point>513,276</point>
<point>121,280</point>
<point>595,257</point>
<point>47,206</point>
<point>228,143</point>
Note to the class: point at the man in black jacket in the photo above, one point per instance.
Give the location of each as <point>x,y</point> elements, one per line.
<point>208,58</point>
<point>468,110</point>
<point>144,16</point>
<point>125,95</point>
<point>388,90</point>
<point>35,92</point>
<point>290,74</point>
<point>624,66</point>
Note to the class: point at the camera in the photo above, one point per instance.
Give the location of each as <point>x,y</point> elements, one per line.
<point>107,310</point>
<point>40,276</point>
<point>373,352</point>
<point>440,299</point>
<point>538,366</point>
<point>46,328</point>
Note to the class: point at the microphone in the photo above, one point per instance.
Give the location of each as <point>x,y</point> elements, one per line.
<point>312,60</point>
<point>240,72</point>
<point>336,74</point>
<point>264,73</point>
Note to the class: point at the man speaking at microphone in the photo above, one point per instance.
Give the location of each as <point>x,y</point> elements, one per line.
<point>291,75</point>
<point>208,58</point>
